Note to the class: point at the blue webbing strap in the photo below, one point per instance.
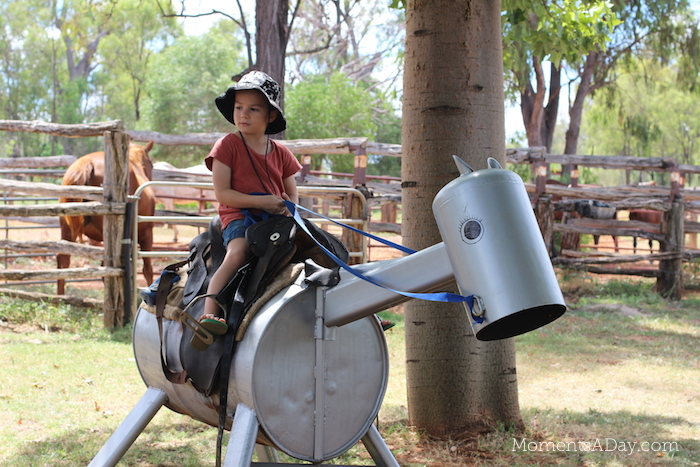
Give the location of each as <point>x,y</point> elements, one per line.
<point>433,297</point>
<point>405,249</point>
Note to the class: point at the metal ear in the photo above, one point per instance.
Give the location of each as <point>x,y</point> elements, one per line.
<point>463,167</point>
<point>494,164</point>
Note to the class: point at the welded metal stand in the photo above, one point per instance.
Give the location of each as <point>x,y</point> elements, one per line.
<point>132,426</point>
<point>241,446</point>
<point>244,431</point>
<point>377,448</point>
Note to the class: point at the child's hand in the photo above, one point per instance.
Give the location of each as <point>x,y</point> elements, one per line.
<point>274,205</point>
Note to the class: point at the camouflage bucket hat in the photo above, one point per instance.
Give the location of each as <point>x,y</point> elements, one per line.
<point>259,81</point>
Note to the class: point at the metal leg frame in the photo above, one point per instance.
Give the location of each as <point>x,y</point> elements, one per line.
<point>244,431</point>
<point>266,454</point>
<point>241,444</point>
<point>377,448</point>
<point>132,426</point>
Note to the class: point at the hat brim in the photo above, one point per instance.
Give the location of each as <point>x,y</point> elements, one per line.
<point>225,103</point>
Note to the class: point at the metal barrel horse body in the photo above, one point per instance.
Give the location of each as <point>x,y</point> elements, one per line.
<point>313,364</point>
<point>315,390</point>
<point>497,252</point>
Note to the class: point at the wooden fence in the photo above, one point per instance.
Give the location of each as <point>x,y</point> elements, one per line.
<point>673,201</point>
<point>109,201</point>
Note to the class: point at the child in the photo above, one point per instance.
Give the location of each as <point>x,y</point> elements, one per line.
<point>242,163</point>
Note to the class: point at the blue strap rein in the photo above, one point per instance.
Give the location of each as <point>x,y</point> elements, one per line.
<point>433,297</point>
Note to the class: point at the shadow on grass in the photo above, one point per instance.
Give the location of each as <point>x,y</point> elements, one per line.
<point>622,436</point>
<point>164,445</point>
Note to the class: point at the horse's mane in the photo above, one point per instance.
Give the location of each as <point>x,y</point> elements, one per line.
<point>138,155</point>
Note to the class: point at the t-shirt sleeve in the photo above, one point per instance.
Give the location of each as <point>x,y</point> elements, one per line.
<point>222,151</point>
<point>290,165</point>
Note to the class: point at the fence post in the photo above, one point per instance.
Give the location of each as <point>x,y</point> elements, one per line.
<point>670,281</point>
<point>354,209</point>
<point>360,173</point>
<point>305,167</point>
<point>115,188</point>
<point>544,213</point>
<point>541,169</point>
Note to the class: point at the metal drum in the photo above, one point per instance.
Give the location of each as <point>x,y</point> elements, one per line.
<point>315,390</point>
<point>497,252</point>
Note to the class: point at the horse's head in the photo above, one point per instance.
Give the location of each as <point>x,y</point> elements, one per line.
<point>138,155</point>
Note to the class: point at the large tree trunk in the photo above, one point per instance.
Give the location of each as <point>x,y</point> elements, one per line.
<point>540,115</point>
<point>452,104</point>
<point>576,110</point>
<point>271,35</point>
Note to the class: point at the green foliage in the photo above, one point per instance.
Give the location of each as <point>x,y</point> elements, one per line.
<point>555,31</point>
<point>121,79</point>
<point>65,62</point>
<point>523,170</point>
<point>604,36</point>
<point>182,83</point>
<point>645,114</point>
<point>326,107</point>
<point>329,107</point>
<point>27,53</point>
<point>558,31</point>
<point>389,132</point>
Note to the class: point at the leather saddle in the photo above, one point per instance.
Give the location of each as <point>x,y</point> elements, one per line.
<point>275,243</point>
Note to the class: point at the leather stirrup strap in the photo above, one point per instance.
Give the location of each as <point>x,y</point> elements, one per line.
<point>235,316</point>
<point>164,287</point>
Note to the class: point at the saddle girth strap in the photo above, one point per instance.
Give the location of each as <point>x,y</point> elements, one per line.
<point>234,318</point>
<point>175,377</point>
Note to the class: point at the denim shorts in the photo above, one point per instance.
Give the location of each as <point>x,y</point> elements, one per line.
<point>235,229</point>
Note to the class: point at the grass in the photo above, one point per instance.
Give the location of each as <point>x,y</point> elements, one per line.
<point>620,367</point>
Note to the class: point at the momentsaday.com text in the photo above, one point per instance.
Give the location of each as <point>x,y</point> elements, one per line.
<point>598,444</point>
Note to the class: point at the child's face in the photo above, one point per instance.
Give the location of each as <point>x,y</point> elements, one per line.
<point>251,112</point>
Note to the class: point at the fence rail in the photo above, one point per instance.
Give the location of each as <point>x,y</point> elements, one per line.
<point>672,201</point>
<point>109,202</point>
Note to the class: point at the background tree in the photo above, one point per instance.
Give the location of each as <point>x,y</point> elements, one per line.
<point>120,81</point>
<point>555,32</point>
<point>665,123</point>
<point>26,79</point>
<point>326,107</point>
<point>55,66</point>
<point>453,103</point>
<point>181,85</point>
<point>353,46</point>
<point>539,32</point>
<point>352,37</point>
<point>273,23</point>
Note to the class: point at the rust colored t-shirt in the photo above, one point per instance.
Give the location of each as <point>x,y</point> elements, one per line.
<point>251,172</point>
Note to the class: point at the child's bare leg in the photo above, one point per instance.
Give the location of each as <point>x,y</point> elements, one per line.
<point>236,255</point>
<point>211,320</point>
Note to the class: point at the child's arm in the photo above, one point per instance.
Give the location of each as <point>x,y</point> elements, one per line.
<point>290,188</point>
<point>221,176</point>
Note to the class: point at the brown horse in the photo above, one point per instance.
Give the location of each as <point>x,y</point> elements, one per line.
<point>89,171</point>
<point>645,215</point>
